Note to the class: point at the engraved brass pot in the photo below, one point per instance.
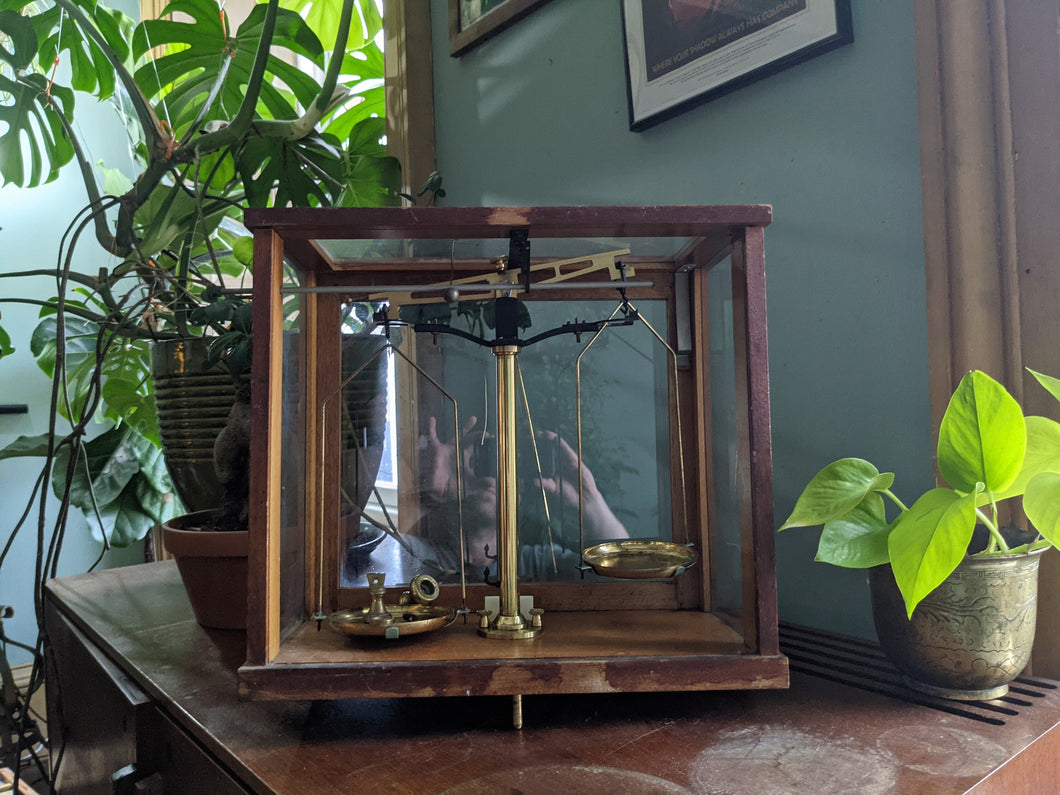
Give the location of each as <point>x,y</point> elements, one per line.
<point>971,636</point>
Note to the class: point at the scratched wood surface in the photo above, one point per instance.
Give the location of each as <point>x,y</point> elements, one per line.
<point>818,736</point>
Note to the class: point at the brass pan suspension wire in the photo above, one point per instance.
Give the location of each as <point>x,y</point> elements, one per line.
<point>388,346</point>
<point>626,307</point>
<point>677,402</point>
<point>578,425</point>
<point>537,461</point>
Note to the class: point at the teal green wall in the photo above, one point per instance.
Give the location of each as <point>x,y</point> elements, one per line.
<point>31,225</point>
<point>537,116</point>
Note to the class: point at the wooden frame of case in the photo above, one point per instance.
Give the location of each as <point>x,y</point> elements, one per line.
<point>671,639</point>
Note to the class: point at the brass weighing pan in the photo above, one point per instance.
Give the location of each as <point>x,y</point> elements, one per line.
<point>639,560</point>
<point>411,619</point>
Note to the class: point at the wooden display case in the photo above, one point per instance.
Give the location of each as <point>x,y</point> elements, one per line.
<point>622,397</point>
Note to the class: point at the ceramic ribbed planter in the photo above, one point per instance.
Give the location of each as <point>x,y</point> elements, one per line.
<point>193,406</point>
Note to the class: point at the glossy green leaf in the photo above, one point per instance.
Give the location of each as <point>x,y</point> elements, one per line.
<point>26,446</point>
<point>81,337</point>
<point>124,521</point>
<point>121,475</point>
<point>372,182</point>
<point>107,465</point>
<point>1052,385</point>
<point>929,541</point>
<point>857,540</point>
<point>1042,504</point>
<point>1042,455</point>
<point>18,46</point>
<point>33,144</point>
<point>167,215</point>
<point>6,348</point>
<point>363,76</point>
<point>323,17</point>
<point>982,437</point>
<point>196,44</point>
<point>835,490</point>
<point>89,69</point>
<point>243,249</point>
<point>115,181</point>
<point>304,173</point>
<point>127,401</point>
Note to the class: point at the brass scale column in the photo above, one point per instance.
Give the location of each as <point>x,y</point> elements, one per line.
<point>509,622</point>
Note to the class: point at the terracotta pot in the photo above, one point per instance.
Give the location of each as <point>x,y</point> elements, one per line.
<point>968,638</point>
<point>213,566</point>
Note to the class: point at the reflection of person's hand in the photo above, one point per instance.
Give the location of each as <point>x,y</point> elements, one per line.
<point>596,513</point>
<point>439,462</point>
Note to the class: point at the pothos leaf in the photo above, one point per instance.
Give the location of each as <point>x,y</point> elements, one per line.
<point>982,437</point>
<point>1052,385</point>
<point>858,539</point>
<point>1042,504</point>
<point>929,541</point>
<point>835,490</point>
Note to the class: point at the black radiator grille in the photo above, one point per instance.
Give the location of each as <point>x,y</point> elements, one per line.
<point>862,664</point>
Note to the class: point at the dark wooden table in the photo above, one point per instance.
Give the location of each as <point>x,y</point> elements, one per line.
<point>129,661</point>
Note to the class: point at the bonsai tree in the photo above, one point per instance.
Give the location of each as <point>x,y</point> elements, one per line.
<point>218,121</point>
<point>988,452</point>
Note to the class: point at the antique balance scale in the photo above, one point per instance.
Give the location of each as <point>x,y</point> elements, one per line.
<point>403,563</point>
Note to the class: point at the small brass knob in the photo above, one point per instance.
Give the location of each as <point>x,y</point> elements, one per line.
<point>424,589</point>
<point>483,619</point>
<point>535,616</point>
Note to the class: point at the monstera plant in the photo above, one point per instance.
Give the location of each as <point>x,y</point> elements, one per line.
<point>285,108</point>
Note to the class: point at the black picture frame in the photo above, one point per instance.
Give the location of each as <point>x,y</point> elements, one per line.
<point>682,53</point>
<point>471,29</point>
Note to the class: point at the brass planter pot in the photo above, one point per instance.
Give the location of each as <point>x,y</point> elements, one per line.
<point>971,636</point>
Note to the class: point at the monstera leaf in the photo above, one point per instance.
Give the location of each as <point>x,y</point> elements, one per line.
<point>363,76</point>
<point>33,144</point>
<point>90,69</point>
<point>196,50</point>
<point>304,172</point>
<point>321,16</point>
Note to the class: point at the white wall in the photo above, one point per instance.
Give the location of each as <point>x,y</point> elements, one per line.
<point>538,115</point>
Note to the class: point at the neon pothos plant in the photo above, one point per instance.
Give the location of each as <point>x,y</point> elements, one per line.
<point>987,452</point>
<point>220,118</point>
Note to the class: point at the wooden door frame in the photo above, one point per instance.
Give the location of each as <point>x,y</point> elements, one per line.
<point>989,164</point>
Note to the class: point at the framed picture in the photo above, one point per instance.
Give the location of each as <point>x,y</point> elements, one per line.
<point>680,53</point>
<point>471,22</point>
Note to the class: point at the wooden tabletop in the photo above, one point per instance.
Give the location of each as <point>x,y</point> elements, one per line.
<point>842,727</point>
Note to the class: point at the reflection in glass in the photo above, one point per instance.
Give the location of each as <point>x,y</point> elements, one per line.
<point>406,493</point>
